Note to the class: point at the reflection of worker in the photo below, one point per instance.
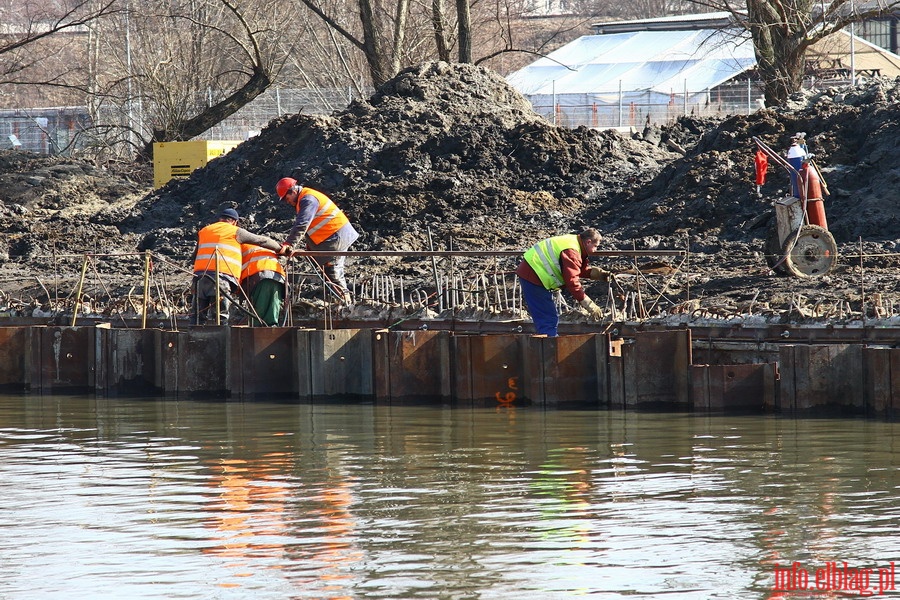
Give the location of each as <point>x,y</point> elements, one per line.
<point>263,280</point>
<point>324,226</point>
<point>795,154</point>
<point>554,263</point>
<point>810,185</point>
<point>217,259</point>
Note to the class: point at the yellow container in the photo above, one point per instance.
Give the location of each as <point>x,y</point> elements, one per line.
<point>177,160</point>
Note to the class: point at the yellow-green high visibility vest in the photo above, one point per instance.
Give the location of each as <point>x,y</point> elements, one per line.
<point>544,258</point>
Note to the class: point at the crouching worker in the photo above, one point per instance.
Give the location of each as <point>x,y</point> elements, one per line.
<point>263,280</point>
<point>217,265</point>
<point>555,263</point>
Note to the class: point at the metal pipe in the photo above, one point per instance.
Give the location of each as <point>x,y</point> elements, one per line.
<point>84,268</point>
<point>146,289</point>
<point>465,253</point>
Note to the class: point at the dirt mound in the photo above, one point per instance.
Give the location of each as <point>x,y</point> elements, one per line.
<point>454,150</point>
<point>451,147</point>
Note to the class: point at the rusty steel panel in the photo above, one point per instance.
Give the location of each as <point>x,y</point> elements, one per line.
<point>787,385</point>
<point>615,369</point>
<point>126,361</point>
<point>341,363</point>
<point>194,362</point>
<point>166,361</point>
<point>15,358</point>
<point>569,373</point>
<point>656,369</point>
<point>748,387</point>
<point>825,378</point>
<point>411,366</point>
<point>263,362</point>
<point>878,380</point>
<point>303,364</point>
<point>490,370</point>
<point>63,360</point>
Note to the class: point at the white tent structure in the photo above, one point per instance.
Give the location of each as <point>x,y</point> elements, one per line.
<point>655,62</point>
<point>630,72</point>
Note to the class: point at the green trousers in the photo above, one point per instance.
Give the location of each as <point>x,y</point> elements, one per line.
<point>267,298</point>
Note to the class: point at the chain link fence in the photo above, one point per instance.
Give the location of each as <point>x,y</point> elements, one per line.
<point>735,98</point>
<point>61,130</point>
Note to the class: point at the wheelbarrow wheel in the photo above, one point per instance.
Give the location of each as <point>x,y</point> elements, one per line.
<point>811,252</point>
<point>773,250</point>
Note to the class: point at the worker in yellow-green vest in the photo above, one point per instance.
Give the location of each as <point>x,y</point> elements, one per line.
<point>218,262</point>
<point>263,280</point>
<point>555,263</point>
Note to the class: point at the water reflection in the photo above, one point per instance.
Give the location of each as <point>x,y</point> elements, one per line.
<point>180,499</point>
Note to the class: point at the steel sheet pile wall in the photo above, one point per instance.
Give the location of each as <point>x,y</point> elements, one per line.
<point>651,369</point>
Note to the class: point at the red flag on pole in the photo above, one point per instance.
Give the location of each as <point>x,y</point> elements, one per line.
<point>762,165</point>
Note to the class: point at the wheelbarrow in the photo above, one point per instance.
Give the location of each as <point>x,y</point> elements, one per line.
<point>795,244</point>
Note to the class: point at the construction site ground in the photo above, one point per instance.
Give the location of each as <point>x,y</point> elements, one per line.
<point>450,157</point>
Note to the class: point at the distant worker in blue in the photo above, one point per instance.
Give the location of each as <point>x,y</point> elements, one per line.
<point>217,265</point>
<point>555,263</point>
<point>795,154</point>
<point>324,226</point>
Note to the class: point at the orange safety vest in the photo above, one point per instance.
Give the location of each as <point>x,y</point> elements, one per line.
<point>257,258</point>
<point>218,249</point>
<point>328,219</point>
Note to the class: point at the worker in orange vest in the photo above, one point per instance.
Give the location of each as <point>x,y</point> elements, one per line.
<point>324,227</point>
<point>263,280</point>
<point>217,265</point>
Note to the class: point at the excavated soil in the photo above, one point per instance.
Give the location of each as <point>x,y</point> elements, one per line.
<point>453,151</point>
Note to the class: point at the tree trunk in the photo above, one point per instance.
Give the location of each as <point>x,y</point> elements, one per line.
<point>375,57</point>
<point>780,43</point>
<point>437,25</point>
<point>465,31</point>
<point>185,130</point>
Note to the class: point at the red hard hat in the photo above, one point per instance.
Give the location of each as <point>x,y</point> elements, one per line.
<point>284,185</point>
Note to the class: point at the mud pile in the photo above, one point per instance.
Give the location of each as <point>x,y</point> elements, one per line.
<point>453,150</point>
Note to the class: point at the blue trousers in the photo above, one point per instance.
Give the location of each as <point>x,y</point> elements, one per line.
<point>540,305</point>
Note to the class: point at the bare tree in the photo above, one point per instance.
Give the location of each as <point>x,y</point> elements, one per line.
<point>383,31</point>
<point>783,30</point>
<point>188,65</point>
<point>40,47</point>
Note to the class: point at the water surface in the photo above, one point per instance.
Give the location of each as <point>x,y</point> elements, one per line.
<point>154,498</point>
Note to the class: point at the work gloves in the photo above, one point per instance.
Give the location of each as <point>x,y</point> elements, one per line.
<point>594,311</point>
<point>598,274</point>
<point>285,250</point>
